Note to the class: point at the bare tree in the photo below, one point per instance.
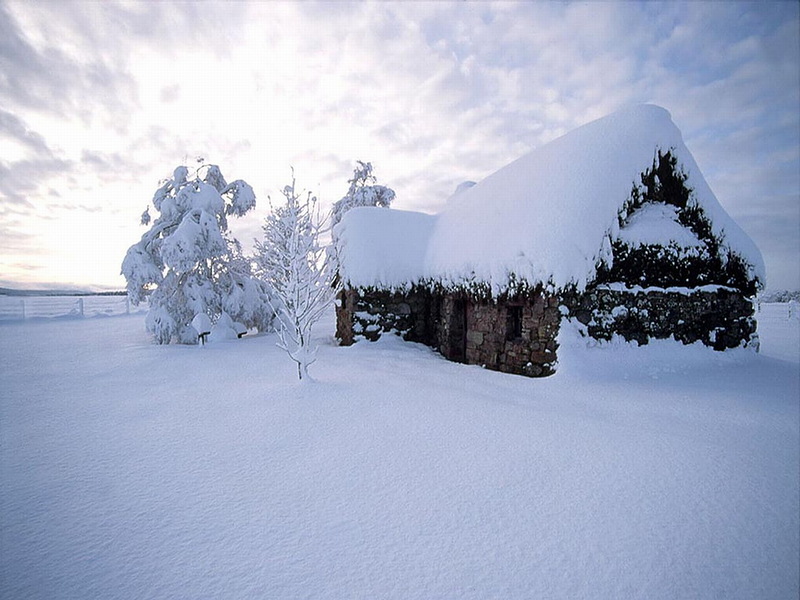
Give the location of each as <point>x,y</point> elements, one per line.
<point>300,272</point>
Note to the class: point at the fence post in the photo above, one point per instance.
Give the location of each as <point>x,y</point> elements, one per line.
<point>80,306</point>
<point>22,303</point>
<point>127,305</point>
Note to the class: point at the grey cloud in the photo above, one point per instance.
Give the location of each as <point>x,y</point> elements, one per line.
<point>436,93</point>
<point>170,93</point>
<point>14,128</point>
<point>13,236</point>
<point>107,166</point>
<point>22,179</point>
<point>334,169</point>
<point>728,73</point>
<point>76,207</point>
<point>51,81</point>
<point>88,76</point>
<point>146,153</point>
<point>16,238</point>
<point>26,267</point>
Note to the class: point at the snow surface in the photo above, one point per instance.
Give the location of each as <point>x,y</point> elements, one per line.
<point>544,218</point>
<point>131,470</point>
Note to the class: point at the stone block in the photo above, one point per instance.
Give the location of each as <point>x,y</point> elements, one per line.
<point>475,337</point>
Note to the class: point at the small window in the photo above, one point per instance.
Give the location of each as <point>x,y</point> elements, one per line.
<point>513,323</point>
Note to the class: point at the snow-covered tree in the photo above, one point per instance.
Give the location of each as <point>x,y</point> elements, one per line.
<point>187,264</point>
<point>362,192</point>
<point>300,272</point>
<point>245,296</point>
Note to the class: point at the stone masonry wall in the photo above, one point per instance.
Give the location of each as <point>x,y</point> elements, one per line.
<point>461,329</point>
<point>720,318</point>
<point>366,314</point>
<point>532,353</point>
<point>477,332</point>
<point>449,330</point>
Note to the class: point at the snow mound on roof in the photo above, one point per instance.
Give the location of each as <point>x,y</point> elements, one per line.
<point>546,218</point>
<point>657,224</point>
<point>382,247</point>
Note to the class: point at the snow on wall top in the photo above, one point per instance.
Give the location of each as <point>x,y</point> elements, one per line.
<point>382,247</point>
<point>545,218</point>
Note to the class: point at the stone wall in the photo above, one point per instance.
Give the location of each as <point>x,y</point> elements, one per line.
<point>532,352</point>
<point>720,318</point>
<point>477,332</point>
<point>460,328</point>
<point>450,315</point>
<point>366,314</point>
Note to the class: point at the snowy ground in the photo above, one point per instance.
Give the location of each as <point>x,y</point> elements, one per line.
<point>129,470</point>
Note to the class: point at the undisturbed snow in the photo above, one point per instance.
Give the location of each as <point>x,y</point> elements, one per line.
<point>131,470</point>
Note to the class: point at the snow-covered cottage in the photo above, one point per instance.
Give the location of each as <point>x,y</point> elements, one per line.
<point>612,225</point>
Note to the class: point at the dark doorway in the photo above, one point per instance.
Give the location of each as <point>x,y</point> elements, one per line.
<point>513,323</point>
<point>458,331</point>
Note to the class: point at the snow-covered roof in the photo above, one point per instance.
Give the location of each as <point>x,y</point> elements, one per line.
<point>545,218</point>
<point>383,247</point>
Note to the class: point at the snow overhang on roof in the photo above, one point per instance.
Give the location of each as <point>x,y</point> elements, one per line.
<point>545,218</point>
<point>382,247</point>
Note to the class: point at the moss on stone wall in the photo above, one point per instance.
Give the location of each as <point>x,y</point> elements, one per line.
<point>720,318</point>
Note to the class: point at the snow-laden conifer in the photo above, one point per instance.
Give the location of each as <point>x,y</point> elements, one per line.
<point>187,263</point>
<point>300,272</point>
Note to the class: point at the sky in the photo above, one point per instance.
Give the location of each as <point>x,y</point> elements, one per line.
<point>100,101</point>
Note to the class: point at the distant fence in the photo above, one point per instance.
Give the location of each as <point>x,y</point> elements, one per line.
<point>20,308</point>
<point>778,311</point>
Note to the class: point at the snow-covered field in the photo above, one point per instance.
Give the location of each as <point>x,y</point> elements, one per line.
<point>129,470</point>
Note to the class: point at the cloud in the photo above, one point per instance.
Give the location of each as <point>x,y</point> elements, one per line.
<point>170,93</point>
<point>40,75</point>
<point>14,238</point>
<point>13,129</point>
<point>23,179</point>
